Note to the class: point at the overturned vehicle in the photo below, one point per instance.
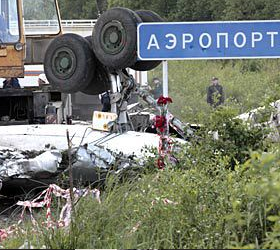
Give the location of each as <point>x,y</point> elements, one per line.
<point>74,63</point>
<point>37,155</point>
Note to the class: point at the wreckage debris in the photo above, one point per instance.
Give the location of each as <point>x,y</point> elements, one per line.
<point>18,171</point>
<point>89,159</point>
<point>16,164</point>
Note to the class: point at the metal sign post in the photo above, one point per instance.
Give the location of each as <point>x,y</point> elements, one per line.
<point>165,139</point>
<point>202,40</point>
<point>165,78</point>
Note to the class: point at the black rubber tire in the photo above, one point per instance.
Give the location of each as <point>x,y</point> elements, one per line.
<point>69,65</point>
<point>114,38</point>
<point>101,79</point>
<point>147,16</point>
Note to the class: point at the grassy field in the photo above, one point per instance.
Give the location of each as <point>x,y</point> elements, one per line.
<point>221,194</point>
<point>247,84</point>
<point>203,205</point>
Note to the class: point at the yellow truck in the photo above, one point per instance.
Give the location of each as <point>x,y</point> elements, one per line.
<point>26,28</point>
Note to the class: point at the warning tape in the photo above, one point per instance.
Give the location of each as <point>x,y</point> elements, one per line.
<point>161,125</point>
<point>44,199</point>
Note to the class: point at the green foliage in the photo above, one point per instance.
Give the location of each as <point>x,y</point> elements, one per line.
<point>182,10</point>
<point>163,8</point>
<point>253,10</point>
<point>235,141</point>
<point>78,9</point>
<point>207,206</point>
<point>192,10</point>
<point>134,5</point>
<point>247,84</point>
<point>199,203</point>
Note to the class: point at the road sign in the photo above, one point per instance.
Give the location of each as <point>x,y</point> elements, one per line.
<point>209,40</point>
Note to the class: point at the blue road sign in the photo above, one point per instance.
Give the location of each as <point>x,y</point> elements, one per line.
<point>209,40</point>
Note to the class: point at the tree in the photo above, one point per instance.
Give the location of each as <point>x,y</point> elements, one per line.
<point>179,10</point>
<point>165,8</point>
<point>134,5</point>
<point>78,9</point>
<point>271,9</point>
<point>244,10</point>
<point>217,8</point>
<point>190,10</point>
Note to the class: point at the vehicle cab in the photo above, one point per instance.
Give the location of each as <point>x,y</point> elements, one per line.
<point>26,29</point>
<point>12,49</point>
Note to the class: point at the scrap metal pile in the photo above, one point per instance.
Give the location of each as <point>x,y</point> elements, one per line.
<point>91,152</point>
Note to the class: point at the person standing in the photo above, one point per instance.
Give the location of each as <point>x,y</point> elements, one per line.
<point>215,93</point>
<point>105,101</point>
<point>156,87</point>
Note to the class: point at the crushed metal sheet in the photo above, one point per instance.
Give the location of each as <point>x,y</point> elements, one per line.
<point>94,153</point>
<point>16,165</point>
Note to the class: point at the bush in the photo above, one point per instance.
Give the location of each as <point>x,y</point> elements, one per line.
<point>247,85</point>
<point>201,203</point>
<point>222,194</point>
<point>236,139</point>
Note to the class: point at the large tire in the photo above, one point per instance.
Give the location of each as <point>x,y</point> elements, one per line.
<point>101,79</point>
<point>114,38</point>
<point>147,16</point>
<point>68,64</point>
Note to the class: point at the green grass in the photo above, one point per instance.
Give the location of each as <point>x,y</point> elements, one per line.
<point>214,208</point>
<point>247,84</point>
<point>219,195</point>
<point>225,194</point>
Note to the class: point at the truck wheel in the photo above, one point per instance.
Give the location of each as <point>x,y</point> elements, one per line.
<point>100,83</point>
<point>101,80</point>
<point>147,16</point>
<point>114,38</point>
<point>68,64</point>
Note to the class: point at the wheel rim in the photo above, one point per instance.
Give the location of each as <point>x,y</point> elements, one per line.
<point>113,37</point>
<point>64,63</point>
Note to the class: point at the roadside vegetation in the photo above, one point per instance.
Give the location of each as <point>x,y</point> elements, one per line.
<point>179,10</point>
<point>222,194</point>
<point>248,84</point>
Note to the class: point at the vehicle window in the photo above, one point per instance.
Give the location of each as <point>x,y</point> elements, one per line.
<point>40,17</point>
<point>9,23</point>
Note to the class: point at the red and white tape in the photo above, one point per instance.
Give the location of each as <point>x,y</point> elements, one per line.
<point>44,199</point>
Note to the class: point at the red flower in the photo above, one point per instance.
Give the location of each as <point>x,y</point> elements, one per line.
<point>164,100</point>
<point>160,163</point>
<point>159,121</point>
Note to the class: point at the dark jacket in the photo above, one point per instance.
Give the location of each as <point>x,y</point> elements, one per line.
<point>215,95</point>
<point>13,84</point>
<point>106,102</point>
<point>157,91</point>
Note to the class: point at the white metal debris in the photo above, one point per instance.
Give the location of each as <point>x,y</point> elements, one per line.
<point>47,162</point>
<point>91,149</point>
<point>256,117</point>
<point>42,137</point>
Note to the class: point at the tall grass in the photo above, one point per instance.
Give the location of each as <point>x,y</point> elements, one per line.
<point>247,84</point>
<point>220,195</point>
<point>208,207</point>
